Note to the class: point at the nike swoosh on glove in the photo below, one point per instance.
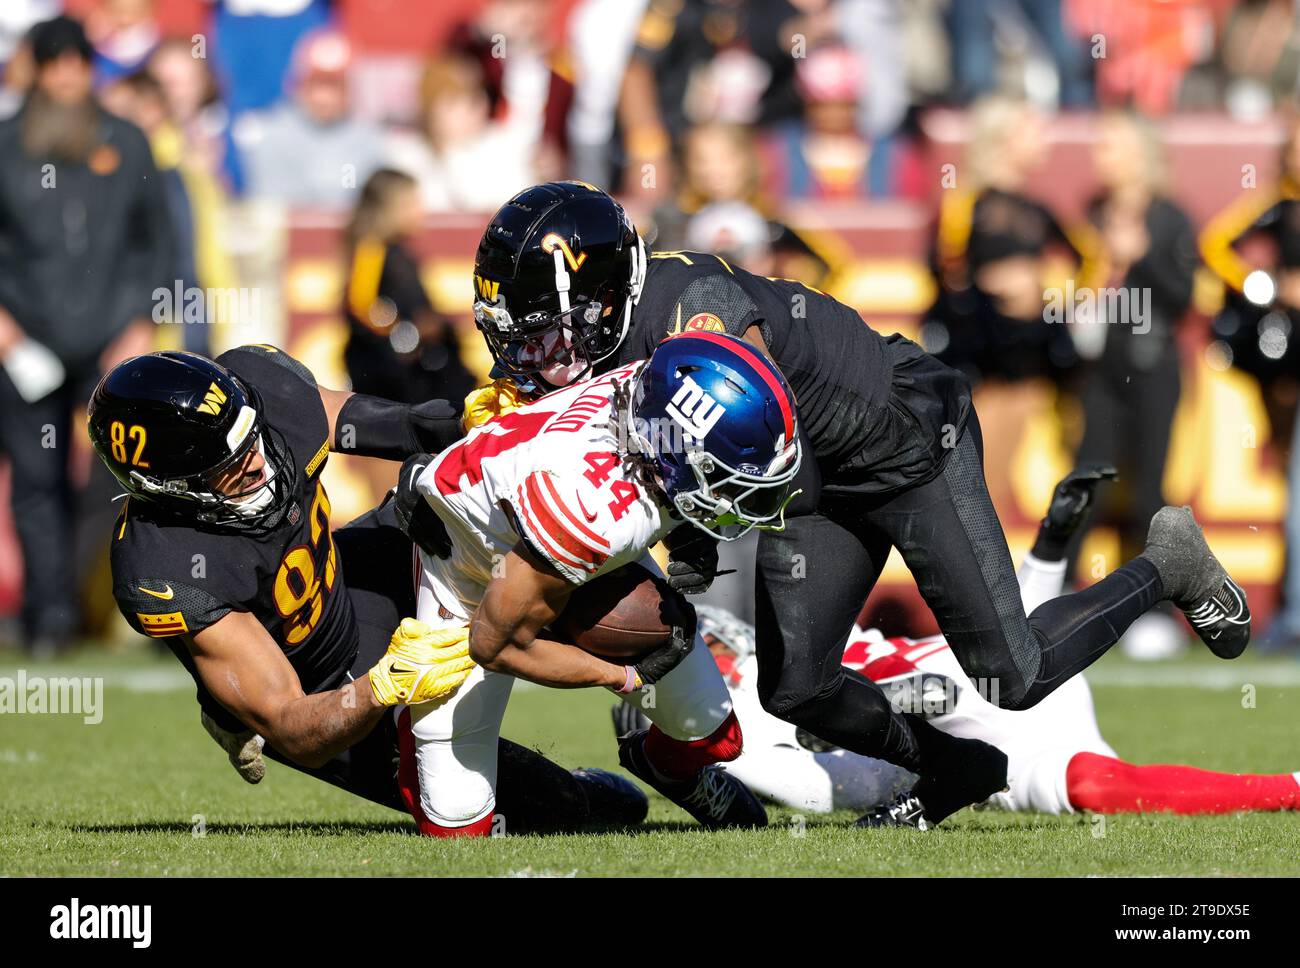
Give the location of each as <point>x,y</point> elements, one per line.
<point>422,664</point>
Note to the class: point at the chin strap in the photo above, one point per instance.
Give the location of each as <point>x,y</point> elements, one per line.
<point>639,260</point>
<point>636,282</point>
<point>561,278</point>
<point>780,525</point>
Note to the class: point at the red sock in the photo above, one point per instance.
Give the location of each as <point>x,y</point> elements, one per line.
<point>679,759</point>
<point>1106,785</point>
<point>408,785</point>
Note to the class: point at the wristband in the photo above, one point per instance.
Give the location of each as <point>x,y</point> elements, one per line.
<point>632,682</point>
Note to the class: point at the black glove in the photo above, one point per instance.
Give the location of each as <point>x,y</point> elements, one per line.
<point>666,658</point>
<point>692,560</point>
<point>436,424</point>
<point>1071,502</point>
<point>628,719</point>
<point>418,521</point>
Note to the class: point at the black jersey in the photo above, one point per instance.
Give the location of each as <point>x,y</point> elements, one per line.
<point>877,412</point>
<point>171,578</point>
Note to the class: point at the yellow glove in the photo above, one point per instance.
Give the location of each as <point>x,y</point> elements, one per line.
<point>486,403</point>
<point>422,664</point>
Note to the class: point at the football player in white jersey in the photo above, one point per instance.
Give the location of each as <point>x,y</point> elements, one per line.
<point>1058,761</point>
<point>540,500</point>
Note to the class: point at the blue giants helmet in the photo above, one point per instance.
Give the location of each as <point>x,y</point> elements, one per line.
<point>715,420</point>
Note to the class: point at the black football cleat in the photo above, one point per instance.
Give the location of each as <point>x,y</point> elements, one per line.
<point>963,772</point>
<point>613,799</point>
<point>1223,620</point>
<point>1197,583</point>
<point>713,797</point>
<point>905,810</point>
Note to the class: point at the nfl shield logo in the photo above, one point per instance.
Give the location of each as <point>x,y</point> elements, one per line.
<point>294,513</point>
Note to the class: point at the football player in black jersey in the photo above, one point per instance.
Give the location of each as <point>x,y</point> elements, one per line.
<point>565,286</point>
<point>223,549</point>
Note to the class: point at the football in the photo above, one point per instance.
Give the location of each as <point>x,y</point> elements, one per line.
<point>622,616</point>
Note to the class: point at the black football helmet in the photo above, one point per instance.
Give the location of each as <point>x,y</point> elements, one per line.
<point>168,424</point>
<point>558,270</point>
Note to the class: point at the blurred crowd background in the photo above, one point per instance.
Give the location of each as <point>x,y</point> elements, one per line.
<point>1088,205</point>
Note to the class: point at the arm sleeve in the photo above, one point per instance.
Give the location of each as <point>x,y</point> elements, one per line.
<point>552,520</point>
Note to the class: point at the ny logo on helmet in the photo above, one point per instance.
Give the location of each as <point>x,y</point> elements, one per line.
<point>694,410</point>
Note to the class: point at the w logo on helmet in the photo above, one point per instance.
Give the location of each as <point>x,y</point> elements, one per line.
<point>212,400</point>
<point>694,410</point>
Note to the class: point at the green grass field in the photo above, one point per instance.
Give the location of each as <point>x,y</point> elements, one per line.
<point>124,797</point>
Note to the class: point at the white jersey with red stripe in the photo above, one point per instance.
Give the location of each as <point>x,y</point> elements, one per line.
<point>1039,742</point>
<point>549,474</point>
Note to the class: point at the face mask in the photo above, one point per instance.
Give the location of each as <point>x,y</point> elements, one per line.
<point>561,374</point>
<point>256,502</point>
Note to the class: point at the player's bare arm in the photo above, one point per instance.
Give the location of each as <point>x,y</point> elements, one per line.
<point>504,630</point>
<point>245,670</point>
<point>248,674</point>
<point>333,401</point>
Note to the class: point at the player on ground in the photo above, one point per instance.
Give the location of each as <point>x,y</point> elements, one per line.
<point>542,500</point>
<point>1058,761</point>
<point>894,459</point>
<point>223,549</point>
